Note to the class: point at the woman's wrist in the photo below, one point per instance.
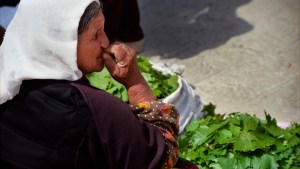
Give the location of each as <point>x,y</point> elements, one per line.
<point>140,92</point>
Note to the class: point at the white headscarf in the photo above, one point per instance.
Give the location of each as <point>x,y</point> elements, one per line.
<point>40,43</point>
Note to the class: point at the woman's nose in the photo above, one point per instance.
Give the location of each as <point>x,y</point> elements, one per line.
<point>104,41</point>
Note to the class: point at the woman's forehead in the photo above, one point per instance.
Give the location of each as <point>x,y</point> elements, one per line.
<point>98,21</point>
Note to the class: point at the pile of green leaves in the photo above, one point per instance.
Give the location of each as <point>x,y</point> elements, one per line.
<point>240,141</point>
<point>160,84</point>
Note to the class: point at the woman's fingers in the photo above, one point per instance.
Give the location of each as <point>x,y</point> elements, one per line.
<point>120,51</point>
<point>124,68</point>
<point>129,50</point>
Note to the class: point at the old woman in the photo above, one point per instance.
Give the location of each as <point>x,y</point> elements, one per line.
<point>50,117</point>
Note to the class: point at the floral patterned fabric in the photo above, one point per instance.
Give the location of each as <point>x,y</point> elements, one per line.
<point>166,118</point>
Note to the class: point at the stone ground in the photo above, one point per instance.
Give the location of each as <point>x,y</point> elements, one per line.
<point>241,55</point>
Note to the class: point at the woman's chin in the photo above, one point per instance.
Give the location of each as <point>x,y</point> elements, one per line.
<point>100,65</point>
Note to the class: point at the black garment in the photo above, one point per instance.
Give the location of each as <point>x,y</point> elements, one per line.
<point>126,141</point>
<point>122,20</point>
<point>2,32</point>
<point>50,125</point>
<point>9,2</point>
<point>42,127</point>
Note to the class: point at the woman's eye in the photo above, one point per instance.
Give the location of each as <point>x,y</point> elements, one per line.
<point>96,35</point>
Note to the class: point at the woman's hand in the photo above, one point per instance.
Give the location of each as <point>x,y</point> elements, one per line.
<point>120,60</point>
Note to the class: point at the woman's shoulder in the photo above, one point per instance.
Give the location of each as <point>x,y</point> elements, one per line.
<point>60,91</point>
<point>98,99</point>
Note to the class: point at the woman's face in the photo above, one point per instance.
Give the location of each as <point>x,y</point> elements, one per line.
<point>91,44</point>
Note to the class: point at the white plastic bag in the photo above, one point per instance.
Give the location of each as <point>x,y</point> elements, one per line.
<point>184,98</point>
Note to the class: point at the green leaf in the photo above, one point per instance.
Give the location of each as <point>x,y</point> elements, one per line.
<point>223,136</point>
<point>274,130</point>
<point>235,130</point>
<point>264,140</point>
<point>157,92</point>
<point>226,163</point>
<point>270,121</point>
<point>173,82</point>
<point>268,162</point>
<point>249,123</point>
<point>250,141</point>
<point>147,76</point>
<point>193,126</point>
<point>246,142</point>
<point>215,166</point>
<point>144,64</point>
<point>293,141</point>
<point>243,161</point>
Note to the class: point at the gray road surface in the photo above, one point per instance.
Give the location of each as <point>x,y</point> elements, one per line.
<point>241,55</point>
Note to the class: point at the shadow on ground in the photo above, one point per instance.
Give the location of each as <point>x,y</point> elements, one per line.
<point>184,28</point>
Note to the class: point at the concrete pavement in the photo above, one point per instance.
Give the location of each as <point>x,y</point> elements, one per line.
<point>241,55</point>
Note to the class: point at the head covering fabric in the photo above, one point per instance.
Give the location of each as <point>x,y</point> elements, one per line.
<point>40,43</point>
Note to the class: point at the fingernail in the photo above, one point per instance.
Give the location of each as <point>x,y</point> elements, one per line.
<point>121,64</point>
<point>123,46</point>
